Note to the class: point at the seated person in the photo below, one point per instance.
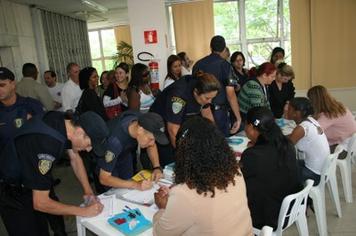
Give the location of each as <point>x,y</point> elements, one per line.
<point>209,197</point>
<point>308,138</point>
<point>269,166</point>
<point>336,120</point>
<point>127,131</point>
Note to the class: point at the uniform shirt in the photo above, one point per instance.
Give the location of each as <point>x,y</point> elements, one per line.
<point>28,87</point>
<point>13,117</point>
<point>71,93</point>
<point>253,94</point>
<point>38,153</point>
<point>176,103</point>
<point>279,97</point>
<point>118,159</point>
<point>222,70</point>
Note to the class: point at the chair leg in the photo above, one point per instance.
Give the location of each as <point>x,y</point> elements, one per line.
<point>302,225</point>
<point>320,214</point>
<point>334,192</point>
<point>345,171</point>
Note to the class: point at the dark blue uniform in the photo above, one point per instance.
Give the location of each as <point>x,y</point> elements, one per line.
<point>14,116</point>
<point>222,70</point>
<point>118,160</point>
<point>26,164</point>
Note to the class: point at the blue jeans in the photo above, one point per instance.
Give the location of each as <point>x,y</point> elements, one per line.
<point>305,174</point>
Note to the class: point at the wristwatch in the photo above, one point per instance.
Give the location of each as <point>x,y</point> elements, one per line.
<point>157,167</point>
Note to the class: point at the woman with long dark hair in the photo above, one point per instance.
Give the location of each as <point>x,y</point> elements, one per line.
<point>209,196</point>
<point>174,69</point>
<point>237,61</point>
<point>269,167</point>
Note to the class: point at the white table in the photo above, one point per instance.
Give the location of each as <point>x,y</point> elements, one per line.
<point>100,226</point>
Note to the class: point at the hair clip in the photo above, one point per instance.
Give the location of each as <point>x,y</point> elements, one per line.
<point>256,122</point>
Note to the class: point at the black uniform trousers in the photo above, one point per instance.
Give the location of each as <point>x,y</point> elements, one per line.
<point>19,217</point>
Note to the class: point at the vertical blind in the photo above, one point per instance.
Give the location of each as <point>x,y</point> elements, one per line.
<point>66,41</point>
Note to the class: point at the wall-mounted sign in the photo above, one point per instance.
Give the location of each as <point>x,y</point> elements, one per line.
<point>150,36</point>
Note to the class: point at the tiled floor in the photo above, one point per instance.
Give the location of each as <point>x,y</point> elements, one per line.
<point>69,191</point>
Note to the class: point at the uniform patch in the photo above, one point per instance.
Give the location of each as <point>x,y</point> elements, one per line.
<point>18,122</point>
<point>177,104</point>
<point>109,156</point>
<point>45,162</point>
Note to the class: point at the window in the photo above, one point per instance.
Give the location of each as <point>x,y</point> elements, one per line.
<point>102,49</point>
<point>254,27</point>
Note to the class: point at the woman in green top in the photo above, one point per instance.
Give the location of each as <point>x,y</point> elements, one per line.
<point>254,92</point>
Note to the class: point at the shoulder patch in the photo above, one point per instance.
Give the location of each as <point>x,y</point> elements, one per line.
<point>18,122</point>
<point>45,162</point>
<point>177,104</point>
<point>109,156</point>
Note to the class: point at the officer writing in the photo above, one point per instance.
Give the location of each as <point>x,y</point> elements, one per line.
<point>26,163</point>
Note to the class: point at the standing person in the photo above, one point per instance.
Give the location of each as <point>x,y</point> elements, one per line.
<point>174,68</point>
<point>104,83</point>
<point>90,101</point>
<point>281,90</point>
<point>71,91</point>
<point>269,167</point>
<point>188,97</point>
<point>309,138</point>
<point>221,69</point>
<point>26,164</point>
<point>255,93</point>
<point>186,63</point>
<point>334,117</point>
<point>277,55</point>
<point>237,61</point>
<point>127,131</point>
<point>14,112</point>
<point>140,96</point>
<point>28,87</point>
<point>207,198</point>
<point>54,88</point>
<point>115,97</point>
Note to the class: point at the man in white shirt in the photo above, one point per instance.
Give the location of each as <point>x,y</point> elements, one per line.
<point>54,88</point>
<point>71,91</point>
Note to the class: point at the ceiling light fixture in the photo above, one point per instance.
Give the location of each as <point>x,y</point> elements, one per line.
<point>95,6</point>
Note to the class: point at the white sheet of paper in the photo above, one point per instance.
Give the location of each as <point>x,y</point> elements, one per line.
<point>141,197</point>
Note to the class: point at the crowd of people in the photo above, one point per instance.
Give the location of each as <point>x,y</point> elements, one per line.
<point>99,128</point>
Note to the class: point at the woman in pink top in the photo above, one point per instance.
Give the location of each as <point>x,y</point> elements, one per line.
<point>336,119</point>
<point>209,197</point>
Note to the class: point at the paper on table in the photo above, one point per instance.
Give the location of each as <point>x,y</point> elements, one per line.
<point>145,197</point>
<point>108,202</point>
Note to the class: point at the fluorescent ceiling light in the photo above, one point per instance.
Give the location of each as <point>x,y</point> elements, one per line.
<point>95,6</point>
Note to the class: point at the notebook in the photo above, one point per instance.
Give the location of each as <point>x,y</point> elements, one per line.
<point>130,222</point>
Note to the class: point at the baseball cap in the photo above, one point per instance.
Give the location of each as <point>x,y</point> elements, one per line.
<point>95,127</point>
<point>217,43</point>
<point>154,123</point>
<point>6,74</point>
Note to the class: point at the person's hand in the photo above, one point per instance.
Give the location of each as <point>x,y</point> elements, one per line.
<point>93,209</point>
<point>161,198</point>
<point>90,198</point>
<point>144,185</point>
<point>285,111</point>
<point>156,175</point>
<point>236,126</point>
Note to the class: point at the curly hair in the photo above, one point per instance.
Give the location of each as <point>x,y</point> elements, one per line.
<point>204,160</point>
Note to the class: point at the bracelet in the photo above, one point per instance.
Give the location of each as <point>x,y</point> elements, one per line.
<point>157,167</point>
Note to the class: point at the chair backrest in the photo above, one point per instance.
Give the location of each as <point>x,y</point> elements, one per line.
<point>351,149</point>
<point>329,166</point>
<point>266,231</point>
<point>292,206</point>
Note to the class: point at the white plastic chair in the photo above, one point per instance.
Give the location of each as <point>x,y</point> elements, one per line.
<point>292,210</point>
<point>317,193</point>
<point>345,168</point>
<point>266,231</point>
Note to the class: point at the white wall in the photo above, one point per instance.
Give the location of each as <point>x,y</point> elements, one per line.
<point>149,15</point>
<point>16,36</point>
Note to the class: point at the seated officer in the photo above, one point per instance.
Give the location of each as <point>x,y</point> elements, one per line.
<point>127,131</point>
<point>26,163</point>
<point>187,97</point>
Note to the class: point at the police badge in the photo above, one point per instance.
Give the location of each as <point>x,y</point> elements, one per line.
<point>18,122</point>
<point>45,163</point>
<point>177,104</point>
<point>109,156</point>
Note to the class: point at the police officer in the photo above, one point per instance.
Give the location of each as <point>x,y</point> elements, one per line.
<point>26,163</point>
<point>221,69</point>
<point>127,131</point>
<point>189,96</point>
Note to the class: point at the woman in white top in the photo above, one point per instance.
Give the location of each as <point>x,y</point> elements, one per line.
<point>140,96</point>
<point>308,138</point>
<point>174,68</point>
